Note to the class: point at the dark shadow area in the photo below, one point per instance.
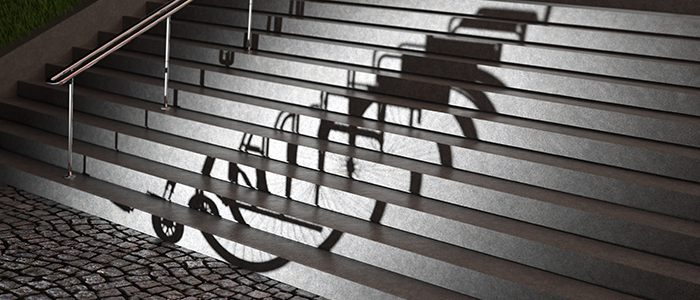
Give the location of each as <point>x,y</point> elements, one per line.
<point>495,20</point>
<point>256,179</point>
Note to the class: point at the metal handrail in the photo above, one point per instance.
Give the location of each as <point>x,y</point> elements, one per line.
<point>68,74</point>
<point>90,59</point>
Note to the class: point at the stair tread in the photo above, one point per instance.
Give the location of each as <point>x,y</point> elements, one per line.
<point>543,39</point>
<point>511,120</point>
<point>567,163</point>
<point>497,184</point>
<point>570,242</point>
<point>321,259</point>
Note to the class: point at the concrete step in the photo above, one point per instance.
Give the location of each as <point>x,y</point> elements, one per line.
<point>88,98</point>
<point>326,272</point>
<point>636,94</point>
<point>549,108</point>
<point>501,191</point>
<point>582,245</point>
<point>491,23</point>
<point>648,185</point>
<point>554,11</point>
<point>451,149</point>
<point>490,127</point>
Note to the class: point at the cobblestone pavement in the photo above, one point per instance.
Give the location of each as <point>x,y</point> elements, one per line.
<point>50,251</point>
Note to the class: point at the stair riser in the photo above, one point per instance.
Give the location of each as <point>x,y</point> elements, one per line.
<point>300,275</point>
<point>580,38</point>
<point>58,124</point>
<point>479,239</point>
<point>559,14</point>
<point>627,93</point>
<point>278,185</point>
<point>637,96</point>
<point>580,148</point>
<point>656,71</point>
<point>549,109</point>
<point>556,164</point>
<point>52,155</point>
<point>181,194</point>
<point>83,103</point>
<point>630,194</point>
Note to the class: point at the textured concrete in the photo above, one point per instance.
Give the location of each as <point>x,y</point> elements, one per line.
<point>50,251</point>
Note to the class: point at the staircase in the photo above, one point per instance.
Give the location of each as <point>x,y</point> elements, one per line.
<point>381,149</point>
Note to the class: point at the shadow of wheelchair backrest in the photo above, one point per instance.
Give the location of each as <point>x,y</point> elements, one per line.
<point>506,24</point>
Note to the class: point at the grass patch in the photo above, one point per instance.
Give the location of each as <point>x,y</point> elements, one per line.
<point>19,17</point>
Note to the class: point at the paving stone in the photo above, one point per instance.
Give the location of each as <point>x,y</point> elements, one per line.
<point>147,284</point>
<point>200,271</point>
<point>104,258</point>
<point>139,272</point>
<point>130,290</point>
<point>207,296</point>
<point>69,270</point>
<point>23,279</point>
<point>41,285</point>
<point>242,289</point>
<point>178,272</point>
<point>282,295</point>
<point>224,271</point>
<point>85,295</point>
<point>40,263</point>
<point>57,292</point>
<point>190,280</point>
<point>159,259</point>
<point>241,297</point>
<point>146,253</point>
<point>193,292</point>
<point>93,279</point>
<point>226,283</point>
<point>304,293</point>
<point>120,283</point>
<point>38,297</point>
<point>159,273</point>
<point>54,277</point>
<point>172,295</point>
<point>245,281</point>
<point>257,277</point>
<point>258,294</point>
<point>74,289</point>
<point>285,287</point>
<point>24,291</point>
<point>159,289</point>
<point>210,277</point>
<point>92,267</point>
<point>173,254</point>
<point>223,292</point>
<point>8,297</point>
<point>167,280</point>
<point>14,266</point>
<point>8,285</point>
<point>50,251</point>
<point>181,286</point>
<point>79,262</point>
<point>207,287</point>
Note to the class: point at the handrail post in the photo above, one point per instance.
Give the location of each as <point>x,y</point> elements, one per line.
<point>167,60</point>
<point>250,17</point>
<point>70,131</point>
